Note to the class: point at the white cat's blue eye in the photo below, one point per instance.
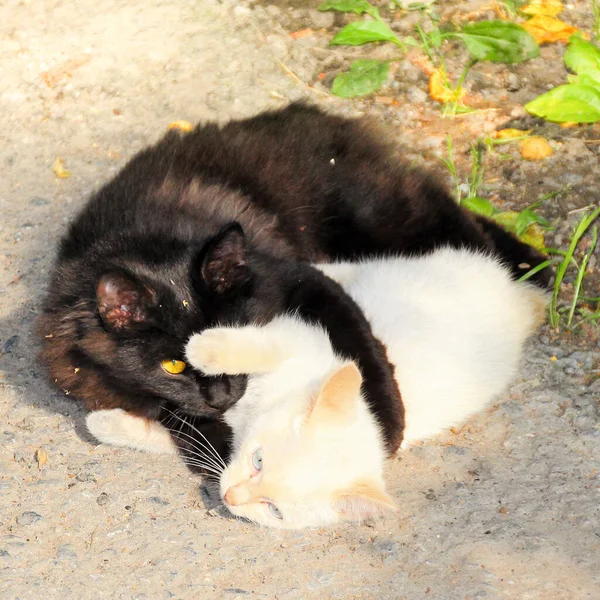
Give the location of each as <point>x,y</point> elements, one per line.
<point>257,460</point>
<point>275,511</point>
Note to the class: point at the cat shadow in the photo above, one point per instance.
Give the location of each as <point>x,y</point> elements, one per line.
<point>23,379</point>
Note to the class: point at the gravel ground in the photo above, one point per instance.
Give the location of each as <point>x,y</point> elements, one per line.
<point>505,508</point>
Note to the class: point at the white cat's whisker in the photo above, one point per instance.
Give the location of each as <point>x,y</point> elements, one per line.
<point>201,456</point>
<point>212,448</point>
<point>202,465</point>
<point>198,448</point>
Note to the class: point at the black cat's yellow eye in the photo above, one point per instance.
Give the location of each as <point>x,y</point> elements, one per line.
<point>174,367</point>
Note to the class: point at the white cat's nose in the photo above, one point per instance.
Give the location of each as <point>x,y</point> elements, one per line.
<point>236,495</point>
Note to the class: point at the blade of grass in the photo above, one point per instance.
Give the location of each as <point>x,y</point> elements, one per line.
<point>535,270</point>
<point>581,228</point>
<point>449,164</point>
<point>581,275</point>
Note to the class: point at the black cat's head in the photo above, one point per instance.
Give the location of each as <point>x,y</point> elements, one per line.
<point>123,346</point>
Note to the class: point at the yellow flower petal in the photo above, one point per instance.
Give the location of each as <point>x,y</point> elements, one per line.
<point>547,29</point>
<point>440,90</point>
<point>42,457</point>
<point>59,169</point>
<point>535,148</point>
<point>181,125</point>
<point>549,8</point>
<point>506,134</point>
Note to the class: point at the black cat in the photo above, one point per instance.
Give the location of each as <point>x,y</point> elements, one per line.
<point>209,227</point>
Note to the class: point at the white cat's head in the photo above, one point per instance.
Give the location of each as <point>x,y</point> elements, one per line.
<point>310,460</point>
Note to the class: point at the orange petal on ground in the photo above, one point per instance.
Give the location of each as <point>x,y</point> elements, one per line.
<point>296,35</point>
<point>439,88</point>
<point>549,8</point>
<point>59,170</point>
<point>421,61</point>
<point>547,29</point>
<point>535,148</point>
<point>507,134</point>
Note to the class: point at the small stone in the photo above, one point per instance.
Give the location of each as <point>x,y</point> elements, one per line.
<point>157,500</point>
<point>512,82</point>
<point>7,437</point>
<point>64,426</point>
<point>321,19</point>
<point>66,552</point>
<point>4,554</point>
<point>235,591</point>
<point>457,450</point>
<point>85,477</point>
<point>387,547</point>
<point>10,343</point>
<point>28,518</point>
<point>416,94</point>
<point>102,499</point>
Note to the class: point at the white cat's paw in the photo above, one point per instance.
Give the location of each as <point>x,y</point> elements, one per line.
<point>212,351</point>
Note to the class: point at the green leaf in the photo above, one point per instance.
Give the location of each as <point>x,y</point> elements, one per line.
<point>363,32</point>
<point>533,235</point>
<point>498,41</point>
<point>582,56</point>
<point>364,77</point>
<point>572,102</point>
<point>591,78</point>
<point>526,218</point>
<point>480,206</point>
<point>354,6</point>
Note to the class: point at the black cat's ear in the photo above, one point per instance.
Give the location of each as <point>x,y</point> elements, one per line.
<point>123,303</point>
<point>224,264</point>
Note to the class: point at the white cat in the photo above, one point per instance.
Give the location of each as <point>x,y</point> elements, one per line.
<point>307,450</point>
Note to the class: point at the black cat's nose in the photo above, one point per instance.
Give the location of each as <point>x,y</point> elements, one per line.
<point>222,392</point>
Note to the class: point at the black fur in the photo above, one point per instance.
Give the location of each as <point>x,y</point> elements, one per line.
<point>158,253</point>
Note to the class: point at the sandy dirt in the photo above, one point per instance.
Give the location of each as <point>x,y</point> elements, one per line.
<point>508,507</point>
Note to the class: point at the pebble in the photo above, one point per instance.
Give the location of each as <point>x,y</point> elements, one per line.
<point>321,19</point>
<point>37,201</point>
<point>66,552</point>
<point>102,499</point>
<point>10,343</point>
<point>416,94</point>
<point>7,437</point>
<point>157,500</point>
<point>512,82</point>
<point>28,518</point>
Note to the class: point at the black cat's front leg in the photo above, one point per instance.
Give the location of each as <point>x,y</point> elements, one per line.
<point>320,300</point>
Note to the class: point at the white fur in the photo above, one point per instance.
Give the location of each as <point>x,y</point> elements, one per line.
<point>453,322</point>
<point>120,428</point>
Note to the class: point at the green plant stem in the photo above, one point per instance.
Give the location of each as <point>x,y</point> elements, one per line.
<point>596,9</point>
<point>581,275</point>
<point>425,43</point>
<point>449,164</point>
<point>581,228</point>
<point>535,270</point>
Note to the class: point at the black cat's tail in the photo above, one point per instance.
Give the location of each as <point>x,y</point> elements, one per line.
<point>518,256</point>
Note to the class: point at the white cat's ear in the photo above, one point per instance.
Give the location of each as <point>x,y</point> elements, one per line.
<point>338,395</point>
<point>364,499</point>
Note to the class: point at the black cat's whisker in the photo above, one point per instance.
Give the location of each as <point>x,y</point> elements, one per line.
<point>212,448</point>
<point>197,448</point>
